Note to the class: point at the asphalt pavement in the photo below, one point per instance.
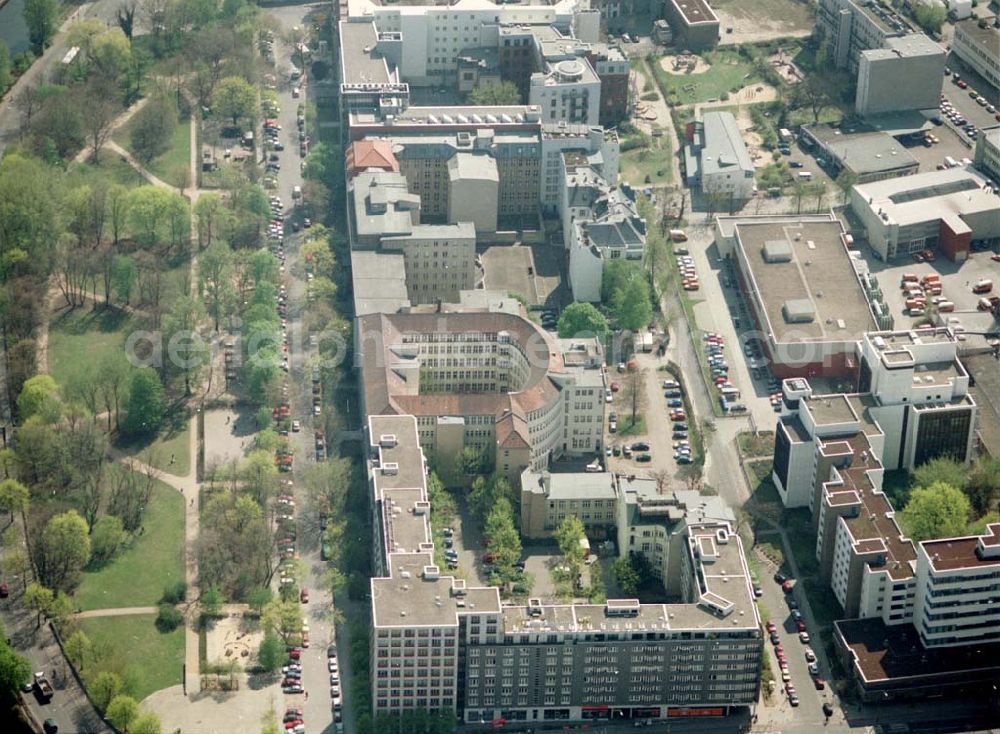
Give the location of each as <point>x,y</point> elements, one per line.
<point>316,702</point>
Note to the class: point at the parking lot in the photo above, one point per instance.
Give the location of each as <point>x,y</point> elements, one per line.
<point>956,281</point>
<point>964,101</point>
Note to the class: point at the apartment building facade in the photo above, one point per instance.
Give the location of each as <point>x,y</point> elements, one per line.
<point>905,74</point>
<point>988,153</point>
<point>600,146</point>
<point>440,260</point>
<point>437,643</point>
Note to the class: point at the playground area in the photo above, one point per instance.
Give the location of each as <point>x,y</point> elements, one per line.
<point>682,64</point>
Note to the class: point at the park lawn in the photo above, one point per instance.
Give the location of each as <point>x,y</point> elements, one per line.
<point>170,449</point>
<point>83,337</point>
<point>648,165</point>
<point>110,166</point>
<point>147,660</point>
<point>154,560</point>
<point>174,166</point>
<point>728,72</point>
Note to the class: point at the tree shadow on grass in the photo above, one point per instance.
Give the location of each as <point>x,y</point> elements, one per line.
<point>83,320</point>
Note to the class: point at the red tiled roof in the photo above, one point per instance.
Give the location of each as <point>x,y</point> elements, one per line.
<point>365,154</point>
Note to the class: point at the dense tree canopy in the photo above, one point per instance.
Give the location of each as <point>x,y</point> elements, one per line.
<point>936,511</point>
<point>579,319</point>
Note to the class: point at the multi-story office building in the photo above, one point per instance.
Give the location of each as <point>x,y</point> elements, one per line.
<point>947,209</point>
<point>369,76</point>
<point>958,580</point>
<point>805,295</point>
<point>988,153</point>
<point>439,259</point>
<point>905,74</point>
<point>695,25</point>
<point>902,600</point>
<point>977,46</point>
<point>912,404</point>
<point>441,168</point>
<point>599,145</point>
<point>439,644</point>
<point>716,158</point>
<point>853,26</point>
<point>492,381</point>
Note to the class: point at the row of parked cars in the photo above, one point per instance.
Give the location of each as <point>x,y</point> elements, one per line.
<point>674,394</point>
<point>688,271</point>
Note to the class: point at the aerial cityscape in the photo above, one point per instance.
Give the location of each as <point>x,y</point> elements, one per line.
<point>432,366</point>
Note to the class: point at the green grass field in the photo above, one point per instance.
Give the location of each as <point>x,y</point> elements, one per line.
<point>155,559</point>
<point>170,450</point>
<point>728,71</point>
<point>650,165</point>
<point>173,166</point>
<point>83,337</point>
<point>146,659</point>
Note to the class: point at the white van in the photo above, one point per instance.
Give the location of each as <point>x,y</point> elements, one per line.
<point>805,175</point>
<point>296,192</point>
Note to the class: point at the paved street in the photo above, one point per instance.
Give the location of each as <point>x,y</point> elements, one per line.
<point>316,703</point>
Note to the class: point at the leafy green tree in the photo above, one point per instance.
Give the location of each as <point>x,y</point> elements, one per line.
<point>235,98</point>
<point>505,541</point>
<point>104,687</point>
<point>145,410</point>
<point>213,218</point>
<point>41,17</point>
<point>168,618</point>
<point>259,597</point>
<point>146,723</point>
<point>106,538</point>
<point>152,128</point>
<point>186,352</point>
<point>78,648</point>
<point>617,274</point>
<point>569,535</point>
<point>582,319</point>
<point>486,492</point>
<point>982,485</point>
<point>40,397</point>
<point>930,16</point>
<point>211,602</point>
<point>39,600</point>
<point>123,712</point>
<point>283,619</point>
<point>271,653</point>
<point>936,511</point>
<point>942,469</point>
<point>14,669</point>
<point>63,549</point>
<point>978,527</point>
<point>631,305</point>
<point>495,95</point>
<point>626,578</point>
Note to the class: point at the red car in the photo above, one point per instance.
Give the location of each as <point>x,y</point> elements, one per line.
<point>771,627</point>
<point>820,683</point>
<point>294,653</point>
<point>787,586</point>
<point>304,596</point>
<point>800,625</point>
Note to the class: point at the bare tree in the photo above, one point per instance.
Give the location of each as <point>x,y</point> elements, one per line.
<point>99,107</point>
<point>632,392</point>
<point>28,103</point>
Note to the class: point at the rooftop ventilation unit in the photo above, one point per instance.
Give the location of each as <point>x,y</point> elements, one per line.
<point>390,469</point>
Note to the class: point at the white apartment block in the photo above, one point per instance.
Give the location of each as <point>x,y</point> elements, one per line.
<point>439,644</point>
<point>568,88</point>
<point>599,146</point>
<point>958,585</point>
<point>435,35</point>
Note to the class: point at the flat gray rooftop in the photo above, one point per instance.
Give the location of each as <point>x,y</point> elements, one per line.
<point>575,486</point>
<point>867,152</point>
<point>358,65</point>
<point>830,409</point>
<point>379,282</point>
<point>820,271</point>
